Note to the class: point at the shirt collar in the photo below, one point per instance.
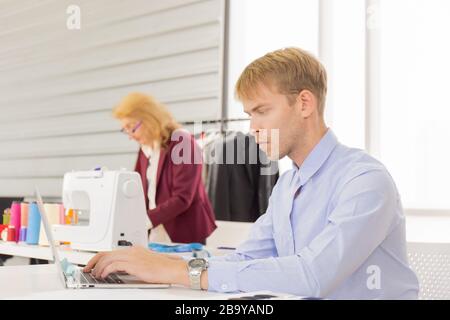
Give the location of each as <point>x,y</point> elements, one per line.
<point>149,151</point>
<point>317,157</point>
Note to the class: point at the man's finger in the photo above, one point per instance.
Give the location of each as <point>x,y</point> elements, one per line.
<point>119,255</point>
<point>117,266</point>
<point>93,262</point>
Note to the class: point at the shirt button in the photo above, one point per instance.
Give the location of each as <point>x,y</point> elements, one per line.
<point>224,287</point>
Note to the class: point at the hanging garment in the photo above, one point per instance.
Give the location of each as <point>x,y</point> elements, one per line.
<point>236,184</point>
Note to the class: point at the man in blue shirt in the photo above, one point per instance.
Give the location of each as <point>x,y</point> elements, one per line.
<point>334,227</point>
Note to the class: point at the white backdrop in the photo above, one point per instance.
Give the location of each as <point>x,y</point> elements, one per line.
<point>58,86</point>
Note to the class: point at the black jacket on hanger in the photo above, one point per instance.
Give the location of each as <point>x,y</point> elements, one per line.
<point>240,191</point>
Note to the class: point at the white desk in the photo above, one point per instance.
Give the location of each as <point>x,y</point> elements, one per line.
<point>40,252</point>
<point>73,256</point>
<point>43,282</point>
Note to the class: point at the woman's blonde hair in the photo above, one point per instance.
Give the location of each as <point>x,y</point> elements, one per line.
<point>290,70</point>
<point>152,113</point>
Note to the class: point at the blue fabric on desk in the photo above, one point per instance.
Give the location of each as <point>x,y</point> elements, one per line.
<point>188,247</point>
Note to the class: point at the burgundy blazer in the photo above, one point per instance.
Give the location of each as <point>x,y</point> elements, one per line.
<point>182,205</point>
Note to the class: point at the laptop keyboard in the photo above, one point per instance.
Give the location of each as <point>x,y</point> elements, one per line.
<point>86,277</point>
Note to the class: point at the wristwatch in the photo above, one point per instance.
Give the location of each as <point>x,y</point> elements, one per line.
<point>196,267</point>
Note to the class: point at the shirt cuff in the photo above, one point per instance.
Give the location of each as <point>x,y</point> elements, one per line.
<point>222,276</point>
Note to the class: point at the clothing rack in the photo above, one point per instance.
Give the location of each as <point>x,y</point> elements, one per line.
<point>221,121</point>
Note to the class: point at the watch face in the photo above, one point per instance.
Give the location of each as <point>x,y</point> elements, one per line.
<point>197,263</point>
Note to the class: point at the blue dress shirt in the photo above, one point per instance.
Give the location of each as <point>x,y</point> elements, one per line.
<point>334,229</point>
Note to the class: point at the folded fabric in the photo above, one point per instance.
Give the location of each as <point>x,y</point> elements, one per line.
<point>188,247</point>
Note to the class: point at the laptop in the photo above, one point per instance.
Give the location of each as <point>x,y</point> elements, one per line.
<point>73,276</point>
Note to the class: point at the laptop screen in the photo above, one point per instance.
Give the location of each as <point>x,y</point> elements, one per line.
<point>49,234</point>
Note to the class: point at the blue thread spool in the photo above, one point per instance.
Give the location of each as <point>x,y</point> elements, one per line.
<point>23,234</point>
<point>34,224</point>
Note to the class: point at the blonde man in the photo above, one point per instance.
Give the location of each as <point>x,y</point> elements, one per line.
<point>334,227</point>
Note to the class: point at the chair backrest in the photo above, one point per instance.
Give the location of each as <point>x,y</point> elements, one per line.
<point>431,262</point>
<point>229,234</point>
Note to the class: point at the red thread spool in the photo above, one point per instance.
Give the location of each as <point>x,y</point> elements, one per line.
<point>11,233</point>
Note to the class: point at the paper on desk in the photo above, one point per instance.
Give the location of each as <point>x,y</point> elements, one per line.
<point>261,295</point>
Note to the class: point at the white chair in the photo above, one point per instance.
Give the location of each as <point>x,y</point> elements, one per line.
<point>228,234</point>
<point>431,262</point>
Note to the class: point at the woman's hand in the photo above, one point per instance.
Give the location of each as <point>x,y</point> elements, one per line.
<point>146,265</point>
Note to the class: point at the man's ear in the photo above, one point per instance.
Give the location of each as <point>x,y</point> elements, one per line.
<point>307,103</point>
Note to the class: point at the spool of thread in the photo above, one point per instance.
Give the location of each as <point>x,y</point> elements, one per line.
<point>6,216</point>
<point>2,228</point>
<point>23,234</point>
<point>4,234</point>
<point>52,211</point>
<point>34,224</point>
<point>15,219</point>
<point>24,214</point>
<point>71,217</point>
<point>62,220</point>
<point>11,234</point>
<point>62,216</point>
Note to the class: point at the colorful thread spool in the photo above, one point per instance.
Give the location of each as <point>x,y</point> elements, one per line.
<point>34,224</point>
<point>15,219</point>
<point>7,216</point>
<point>11,234</point>
<point>24,214</point>
<point>71,217</point>
<point>62,216</point>
<point>3,228</point>
<point>23,234</point>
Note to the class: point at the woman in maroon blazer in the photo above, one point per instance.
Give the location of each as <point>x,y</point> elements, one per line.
<point>170,165</point>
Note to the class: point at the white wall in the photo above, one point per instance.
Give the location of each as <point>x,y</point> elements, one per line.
<point>58,86</point>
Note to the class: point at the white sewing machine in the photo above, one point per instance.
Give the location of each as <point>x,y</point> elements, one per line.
<point>112,210</point>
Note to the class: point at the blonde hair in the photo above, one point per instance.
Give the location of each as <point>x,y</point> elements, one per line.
<point>290,70</point>
<point>153,115</point>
